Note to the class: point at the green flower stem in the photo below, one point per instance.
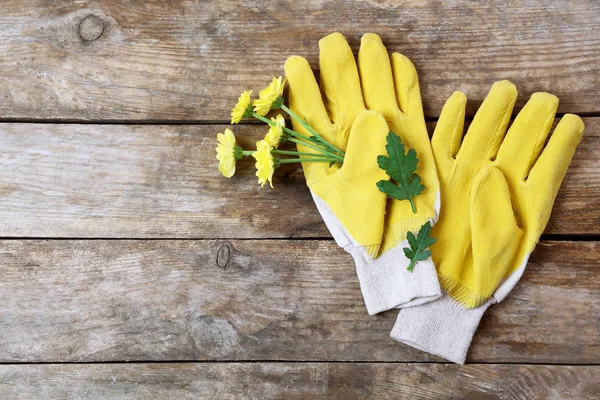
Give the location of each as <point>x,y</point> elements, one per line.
<point>414,210</point>
<point>263,119</point>
<point>296,160</point>
<point>271,123</point>
<point>329,149</point>
<point>294,133</point>
<point>304,137</point>
<point>247,153</point>
<point>325,143</point>
<point>297,153</point>
<point>305,142</point>
<point>321,150</point>
<point>310,129</point>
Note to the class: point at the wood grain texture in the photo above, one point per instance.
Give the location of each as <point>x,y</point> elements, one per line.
<point>189,60</point>
<point>342,381</point>
<point>164,300</point>
<point>132,181</point>
<point>255,317</point>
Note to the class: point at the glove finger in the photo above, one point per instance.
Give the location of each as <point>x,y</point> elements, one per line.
<point>449,131</point>
<point>305,97</point>
<point>489,125</point>
<point>549,171</point>
<point>495,234</point>
<point>340,82</point>
<point>376,76</point>
<point>526,137</point>
<point>406,84</point>
<point>305,100</point>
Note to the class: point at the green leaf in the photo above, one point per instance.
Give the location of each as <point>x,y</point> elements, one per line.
<point>412,241</point>
<point>400,166</point>
<point>418,246</point>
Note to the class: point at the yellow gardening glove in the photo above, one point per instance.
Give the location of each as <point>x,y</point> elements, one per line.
<point>497,194</point>
<point>484,236</point>
<point>347,198</point>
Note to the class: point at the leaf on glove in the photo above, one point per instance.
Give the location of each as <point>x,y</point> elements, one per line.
<point>401,168</point>
<point>418,246</point>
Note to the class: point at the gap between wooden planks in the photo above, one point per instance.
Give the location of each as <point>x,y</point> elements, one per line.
<point>189,60</point>
<point>244,300</point>
<point>157,181</point>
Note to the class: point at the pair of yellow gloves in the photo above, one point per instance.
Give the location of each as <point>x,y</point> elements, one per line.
<point>488,194</point>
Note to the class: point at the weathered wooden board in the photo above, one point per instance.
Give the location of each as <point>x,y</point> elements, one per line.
<point>188,60</point>
<point>342,381</point>
<point>132,181</point>
<point>127,300</point>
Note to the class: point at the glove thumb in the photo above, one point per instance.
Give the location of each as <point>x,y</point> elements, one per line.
<point>351,192</point>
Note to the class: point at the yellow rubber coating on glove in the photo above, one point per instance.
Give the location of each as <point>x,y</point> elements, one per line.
<point>351,192</point>
<point>497,191</point>
<point>391,86</point>
<point>388,85</point>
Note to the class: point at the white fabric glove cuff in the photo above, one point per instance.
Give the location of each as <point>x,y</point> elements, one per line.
<point>385,283</point>
<point>443,327</point>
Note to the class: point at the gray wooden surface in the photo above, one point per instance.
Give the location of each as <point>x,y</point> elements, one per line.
<point>188,59</point>
<point>299,381</point>
<point>140,181</point>
<point>148,300</point>
<point>129,268</point>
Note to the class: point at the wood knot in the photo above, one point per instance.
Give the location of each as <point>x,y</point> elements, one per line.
<point>210,336</point>
<point>91,28</point>
<point>223,256</point>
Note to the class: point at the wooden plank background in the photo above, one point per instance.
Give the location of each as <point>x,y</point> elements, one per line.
<point>189,60</point>
<point>141,300</point>
<point>139,181</point>
<point>300,381</point>
<point>120,242</point>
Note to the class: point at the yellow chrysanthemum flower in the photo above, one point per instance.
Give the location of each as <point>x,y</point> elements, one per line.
<point>275,131</point>
<point>268,96</point>
<point>265,163</point>
<point>227,153</point>
<point>243,108</point>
